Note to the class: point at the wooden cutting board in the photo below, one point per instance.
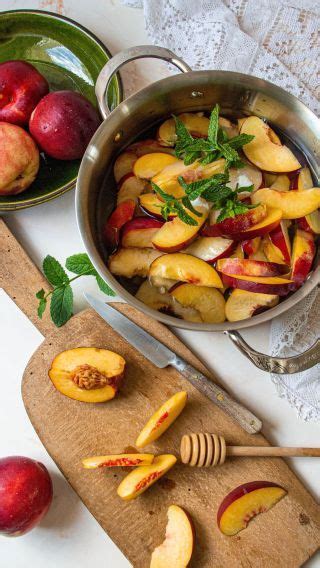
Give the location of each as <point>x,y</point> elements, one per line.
<point>286,536</point>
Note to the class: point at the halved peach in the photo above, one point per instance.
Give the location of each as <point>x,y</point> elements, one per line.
<point>124,165</point>
<point>234,227</point>
<point>280,239</point>
<point>162,419</point>
<point>259,284</point>
<point>251,246</point>
<point>293,204</point>
<point>245,502</point>
<point>150,165</point>
<point>208,302</point>
<point>247,267</point>
<point>281,183</point>
<point>131,188</point>
<point>177,548</point>
<point>175,235</point>
<point>266,150</point>
<point>141,478</point>
<point>187,268</point>
<point>117,460</point>
<point>242,304</point>
<point>151,204</point>
<point>312,221</point>
<point>139,232</point>
<point>210,248</point>
<point>131,262</point>
<point>246,176</point>
<point>303,253</point>
<point>121,215</point>
<point>87,374</point>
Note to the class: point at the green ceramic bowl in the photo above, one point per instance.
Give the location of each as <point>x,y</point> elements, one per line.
<point>70,57</point>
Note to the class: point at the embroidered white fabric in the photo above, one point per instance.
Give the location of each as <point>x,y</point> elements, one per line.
<point>278,40</point>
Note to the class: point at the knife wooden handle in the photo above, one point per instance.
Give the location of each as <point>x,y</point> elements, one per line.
<point>248,421</point>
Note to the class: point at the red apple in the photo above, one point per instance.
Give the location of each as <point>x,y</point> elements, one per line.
<point>63,123</point>
<point>25,494</point>
<point>19,159</point>
<point>21,88</point>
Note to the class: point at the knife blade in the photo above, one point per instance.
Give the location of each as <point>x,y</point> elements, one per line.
<point>162,356</point>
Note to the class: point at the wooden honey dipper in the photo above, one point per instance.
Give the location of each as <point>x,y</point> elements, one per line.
<point>204,450</point>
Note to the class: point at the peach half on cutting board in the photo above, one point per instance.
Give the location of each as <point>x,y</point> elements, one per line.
<point>88,374</point>
<point>176,550</point>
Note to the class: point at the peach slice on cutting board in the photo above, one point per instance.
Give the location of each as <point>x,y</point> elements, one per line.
<point>177,548</point>
<point>141,478</point>
<point>118,460</point>
<point>187,268</point>
<point>88,374</point>
<point>265,150</point>
<point>162,419</point>
<point>293,204</point>
<point>133,261</point>
<point>245,502</point>
<point>242,304</point>
<point>209,303</point>
<point>150,165</point>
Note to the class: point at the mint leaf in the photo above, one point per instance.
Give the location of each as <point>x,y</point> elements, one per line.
<point>80,264</point>
<point>41,307</point>
<point>240,141</point>
<point>104,286</point>
<point>53,271</point>
<point>61,305</point>
<point>40,294</point>
<point>214,125</point>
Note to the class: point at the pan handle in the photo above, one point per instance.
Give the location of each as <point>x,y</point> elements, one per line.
<point>277,365</point>
<point>125,56</point>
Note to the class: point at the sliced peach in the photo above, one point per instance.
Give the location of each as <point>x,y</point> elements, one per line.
<point>229,127</point>
<point>272,253</point>
<point>151,204</point>
<point>186,268</point>
<point>251,246</point>
<point>193,172</point>
<point>210,248</point>
<point>139,232</point>
<point>141,478</point>
<point>176,235</point>
<point>197,125</point>
<point>208,302</point>
<point>247,267</point>
<point>131,188</point>
<point>148,146</point>
<point>269,179</point>
<point>150,165</point>
<point>124,165</point>
<point>280,239</point>
<point>121,215</point>
<point>260,255</point>
<point>303,253</point>
<point>118,460</point>
<point>293,204</point>
<point>131,262</point>
<point>259,284</point>
<point>242,304</point>
<point>177,548</point>
<point>312,221</point>
<point>270,222</point>
<point>265,150</point>
<point>234,227</point>
<point>245,502</point>
<point>87,374</point>
<point>246,176</point>
<point>281,183</point>
<point>153,297</point>
<point>238,253</point>
<point>162,419</point>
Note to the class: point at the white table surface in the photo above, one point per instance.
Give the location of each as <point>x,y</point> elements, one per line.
<point>69,536</point>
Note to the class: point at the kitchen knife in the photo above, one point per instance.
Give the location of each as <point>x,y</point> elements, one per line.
<point>161,356</point>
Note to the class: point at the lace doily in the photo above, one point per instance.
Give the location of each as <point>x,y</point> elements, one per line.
<point>278,41</point>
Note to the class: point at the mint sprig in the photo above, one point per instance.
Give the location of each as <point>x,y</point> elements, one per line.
<point>61,304</point>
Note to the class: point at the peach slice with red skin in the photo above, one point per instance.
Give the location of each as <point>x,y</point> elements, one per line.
<point>303,253</point>
<point>260,284</point>
<point>196,123</point>
<point>141,478</point>
<point>208,302</point>
<point>139,232</point>
<point>247,267</point>
<point>148,146</point>
<point>121,215</point>
<point>151,205</point>
<point>270,222</point>
<point>210,249</point>
<point>281,183</point>
<point>272,253</point>
<point>245,502</point>
<point>232,227</point>
<point>162,419</point>
<point>87,374</point>
<point>130,188</point>
<point>175,235</point>
<point>186,268</point>
<point>280,239</point>
<point>167,179</point>
<point>243,305</point>
<point>293,204</point>
<point>150,165</point>
<point>265,150</point>
<point>246,176</point>
<point>132,261</point>
<point>117,460</point>
<point>238,252</point>
<point>251,246</point>
<point>177,548</point>
<point>124,165</point>
<point>312,221</point>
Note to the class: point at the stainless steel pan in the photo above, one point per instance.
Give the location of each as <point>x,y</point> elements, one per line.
<point>190,91</point>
